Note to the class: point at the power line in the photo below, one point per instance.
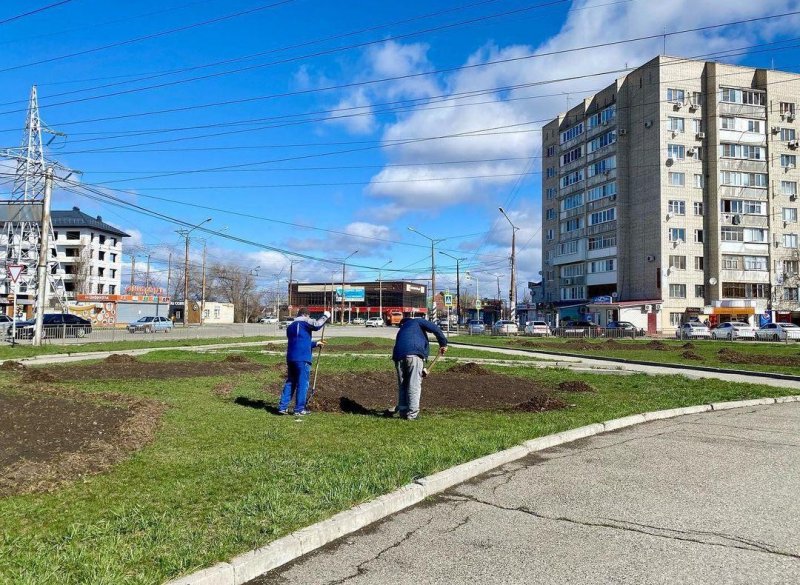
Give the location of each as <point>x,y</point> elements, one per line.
<point>32,12</point>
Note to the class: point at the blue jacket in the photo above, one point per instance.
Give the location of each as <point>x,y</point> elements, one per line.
<point>299,335</point>
<point>412,339</point>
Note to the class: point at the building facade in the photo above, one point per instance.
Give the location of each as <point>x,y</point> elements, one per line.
<point>361,299</point>
<point>673,193</point>
<point>89,252</point>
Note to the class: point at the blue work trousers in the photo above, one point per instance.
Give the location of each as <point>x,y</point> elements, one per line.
<point>296,386</point>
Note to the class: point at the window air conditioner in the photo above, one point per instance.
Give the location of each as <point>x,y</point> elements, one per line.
<point>648,124</point>
<point>657,307</point>
<point>701,135</point>
<point>670,161</point>
<point>776,129</point>
<point>648,308</point>
<point>792,197</point>
<point>567,281</point>
<point>794,143</point>
<point>612,197</point>
<point>691,151</point>
<point>622,132</point>
<point>651,258</point>
<point>790,117</point>
<point>693,106</point>
<point>677,105</point>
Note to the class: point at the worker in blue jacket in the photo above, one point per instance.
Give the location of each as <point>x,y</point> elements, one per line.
<point>298,360</point>
<point>411,348</point>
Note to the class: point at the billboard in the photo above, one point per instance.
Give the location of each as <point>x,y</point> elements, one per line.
<point>352,294</point>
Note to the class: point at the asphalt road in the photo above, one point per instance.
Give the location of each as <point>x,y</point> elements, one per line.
<point>710,498</point>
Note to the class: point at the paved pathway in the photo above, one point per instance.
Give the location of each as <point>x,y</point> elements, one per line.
<point>710,498</point>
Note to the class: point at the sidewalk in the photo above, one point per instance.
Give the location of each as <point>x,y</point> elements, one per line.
<point>708,498</point>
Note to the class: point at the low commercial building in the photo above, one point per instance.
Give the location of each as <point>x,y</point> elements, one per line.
<point>119,310</point>
<point>216,313</point>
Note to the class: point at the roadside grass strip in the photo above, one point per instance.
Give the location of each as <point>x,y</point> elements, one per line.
<point>223,475</point>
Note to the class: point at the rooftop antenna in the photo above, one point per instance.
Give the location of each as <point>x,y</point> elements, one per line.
<point>665,41</point>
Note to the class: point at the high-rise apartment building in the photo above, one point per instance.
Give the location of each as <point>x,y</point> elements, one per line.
<point>671,194</point>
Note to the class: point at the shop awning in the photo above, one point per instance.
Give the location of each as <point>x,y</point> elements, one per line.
<point>733,311</point>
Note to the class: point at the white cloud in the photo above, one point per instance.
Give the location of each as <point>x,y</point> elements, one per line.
<point>360,235</point>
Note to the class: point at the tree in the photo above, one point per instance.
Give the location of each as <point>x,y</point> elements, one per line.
<point>237,285</point>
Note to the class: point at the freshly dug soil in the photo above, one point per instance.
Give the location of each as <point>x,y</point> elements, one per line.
<point>372,392</point>
<point>575,386</point>
<point>348,347</point>
<point>688,345</point>
<point>731,356</point>
<point>49,437</point>
<point>690,355</point>
<point>124,367</point>
<point>470,368</point>
<point>33,376</point>
<point>223,389</point>
<point>657,345</point>
<point>581,344</point>
<point>12,366</point>
<point>235,359</point>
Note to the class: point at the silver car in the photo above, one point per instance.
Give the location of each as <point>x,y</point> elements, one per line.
<point>779,332</point>
<point>733,330</point>
<point>693,330</point>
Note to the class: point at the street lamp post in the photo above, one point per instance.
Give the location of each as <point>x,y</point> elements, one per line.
<point>344,263</point>
<point>458,283</point>
<point>380,289</point>
<point>247,294</point>
<point>512,291</point>
<point>185,234</point>
<point>433,242</point>
<point>499,276</point>
<point>477,294</point>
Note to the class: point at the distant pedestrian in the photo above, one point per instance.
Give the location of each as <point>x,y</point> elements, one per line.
<point>411,348</point>
<point>298,360</point>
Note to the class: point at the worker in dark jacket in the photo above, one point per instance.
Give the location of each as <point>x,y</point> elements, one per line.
<point>411,349</point>
<point>298,360</point>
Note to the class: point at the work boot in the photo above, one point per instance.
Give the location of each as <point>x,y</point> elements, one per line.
<point>302,412</point>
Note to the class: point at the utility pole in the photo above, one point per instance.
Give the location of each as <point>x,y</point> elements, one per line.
<point>203,292</point>
<point>44,254</point>
<point>458,282</point>
<point>133,269</point>
<point>344,263</point>
<point>169,273</point>
<point>433,266</point>
<point>512,291</point>
<point>147,274</point>
<point>289,295</point>
<point>185,234</point>
<point>498,297</point>
<point>380,288</point>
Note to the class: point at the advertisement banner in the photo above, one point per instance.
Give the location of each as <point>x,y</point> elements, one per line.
<point>352,294</point>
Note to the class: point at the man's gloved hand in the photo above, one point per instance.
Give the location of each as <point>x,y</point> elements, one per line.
<point>327,314</point>
<point>425,372</point>
<point>442,350</point>
<point>321,343</point>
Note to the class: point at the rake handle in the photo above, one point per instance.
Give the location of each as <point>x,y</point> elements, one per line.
<point>316,367</point>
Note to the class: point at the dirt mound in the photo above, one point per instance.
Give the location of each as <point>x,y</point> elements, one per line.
<point>527,343</point>
<point>469,368</point>
<point>614,344</point>
<point>363,346</point>
<point>731,356</point>
<point>657,345</point>
<point>223,389</point>
<point>690,355</point>
<point>121,358</point>
<point>12,366</point>
<point>372,392</point>
<point>575,386</point>
<point>33,376</point>
<point>580,344</point>
<point>236,359</point>
<point>540,403</point>
<point>53,436</point>
<point>688,345</point>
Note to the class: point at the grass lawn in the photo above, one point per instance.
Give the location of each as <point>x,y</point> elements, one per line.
<point>638,350</point>
<point>221,478</point>
<point>23,350</point>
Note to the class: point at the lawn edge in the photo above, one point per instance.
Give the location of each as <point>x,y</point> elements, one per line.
<point>672,365</point>
<point>251,564</point>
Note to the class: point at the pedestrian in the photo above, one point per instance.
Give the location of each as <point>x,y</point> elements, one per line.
<point>411,348</point>
<point>298,360</point>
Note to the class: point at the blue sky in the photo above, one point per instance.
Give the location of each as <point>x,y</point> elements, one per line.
<point>353,167</point>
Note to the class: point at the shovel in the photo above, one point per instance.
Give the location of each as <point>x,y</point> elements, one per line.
<point>316,369</point>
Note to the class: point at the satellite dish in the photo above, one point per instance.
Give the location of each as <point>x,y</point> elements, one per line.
<point>712,281</point>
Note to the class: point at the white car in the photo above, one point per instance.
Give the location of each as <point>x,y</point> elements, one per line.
<point>503,327</point>
<point>268,320</point>
<point>693,330</point>
<point>358,321</point>
<point>733,330</point>
<point>374,322</point>
<point>538,328</point>
<point>779,332</point>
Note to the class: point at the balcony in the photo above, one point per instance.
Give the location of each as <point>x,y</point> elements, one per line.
<point>599,178</point>
<point>731,192</point>
<point>572,281</point>
<point>743,110</point>
<point>746,166</point>
<point>579,233</point>
<point>602,203</point>
<point>575,211</point>
<point>759,276</point>
<point>744,220</point>
<point>572,166</point>
<point>601,152</point>
<point>609,226</point>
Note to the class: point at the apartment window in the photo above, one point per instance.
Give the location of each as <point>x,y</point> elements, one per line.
<point>745,290</point>
<point>550,172</point>
<point>675,124</point>
<point>572,201</point>
<point>573,132</point>
<point>790,294</point>
<point>69,269</point>
<point>551,213</point>
<point>675,95</point>
<point>602,242</point>
<point>787,108</point>
<point>571,156</point>
<point>601,141</point>
<point>572,270</point>
<point>791,267</point>
<point>788,134</point>
<point>697,125</point>
<point>677,179</point>
<point>113,257</point>
<point>790,214</point>
<point>101,289</point>
<point>101,239</point>
<point>113,241</point>
<point>101,255</point>
<point>730,262</point>
<point>602,166</point>
<point>731,234</point>
<point>73,235</point>
<point>755,263</point>
<point>675,319</point>
<point>101,272</point>
<point>596,266</point>
<point>551,193</point>
<point>699,263</point>
<point>566,248</point>
<point>788,188</point>
<point>698,236</point>
<point>551,150</point>
<point>788,160</point>
<point>677,262</point>
<point>597,193</point>
<point>747,206</point>
<point>754,126</point>
<point>55,235</point>
<point>572,178</point>
<point>755,235</point>
<point>698,152</point>
<point>677,291</point>
<point>676,151</point>
<point>549,235</point>
<point>744,151</point>
<point>113,273</point>
<point>740,96</point>
<point>676,207</point>
<point>603,216</point>
<point>738,179</point>
<point>698,207</point>
<point>727,123</point>
<point>697,98</point>
<point>699,291</point>
<point>571,225</point>
<point>677,235</point>
<point>699,183</point>
<point>789,240</point>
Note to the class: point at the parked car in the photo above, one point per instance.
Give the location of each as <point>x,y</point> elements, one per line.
<point>57,325</point>
<point>285,323</point>
<point>693,330</point>
<point>358,321</point>
<point>779,332</point>
<point>374,322</point>
<point>475,327</point>
<point>538,328</point>
<point>733,330</point>
<point>625,328</point>
<point>504,327</point>
<point>150,325</point>
<point>582,329</point>
<point>268,320</point>
<point>6,319</point>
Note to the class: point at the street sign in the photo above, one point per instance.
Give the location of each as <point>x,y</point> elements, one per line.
<point>478,304</point>
<point>448,300</point>
<point>14,270</point>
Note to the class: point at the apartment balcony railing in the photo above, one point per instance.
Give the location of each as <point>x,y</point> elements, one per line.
<point>744,220</point>
<point>609,226</point>
<point>746,166</point>
<point>731,192</point>
<point>572,281</point>
<point>745,110</point>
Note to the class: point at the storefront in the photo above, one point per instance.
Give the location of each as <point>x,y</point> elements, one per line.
<point>119,310</point>
<point>643,314</point>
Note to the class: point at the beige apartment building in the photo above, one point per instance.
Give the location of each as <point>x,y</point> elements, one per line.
<point>672,194</point>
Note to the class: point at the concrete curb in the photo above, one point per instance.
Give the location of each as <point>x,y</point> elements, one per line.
<point>256,562</point>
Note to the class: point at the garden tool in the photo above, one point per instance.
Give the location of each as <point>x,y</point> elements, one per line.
<point>316,368</point>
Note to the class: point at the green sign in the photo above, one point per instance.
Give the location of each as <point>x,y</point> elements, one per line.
<point>478,304</point>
